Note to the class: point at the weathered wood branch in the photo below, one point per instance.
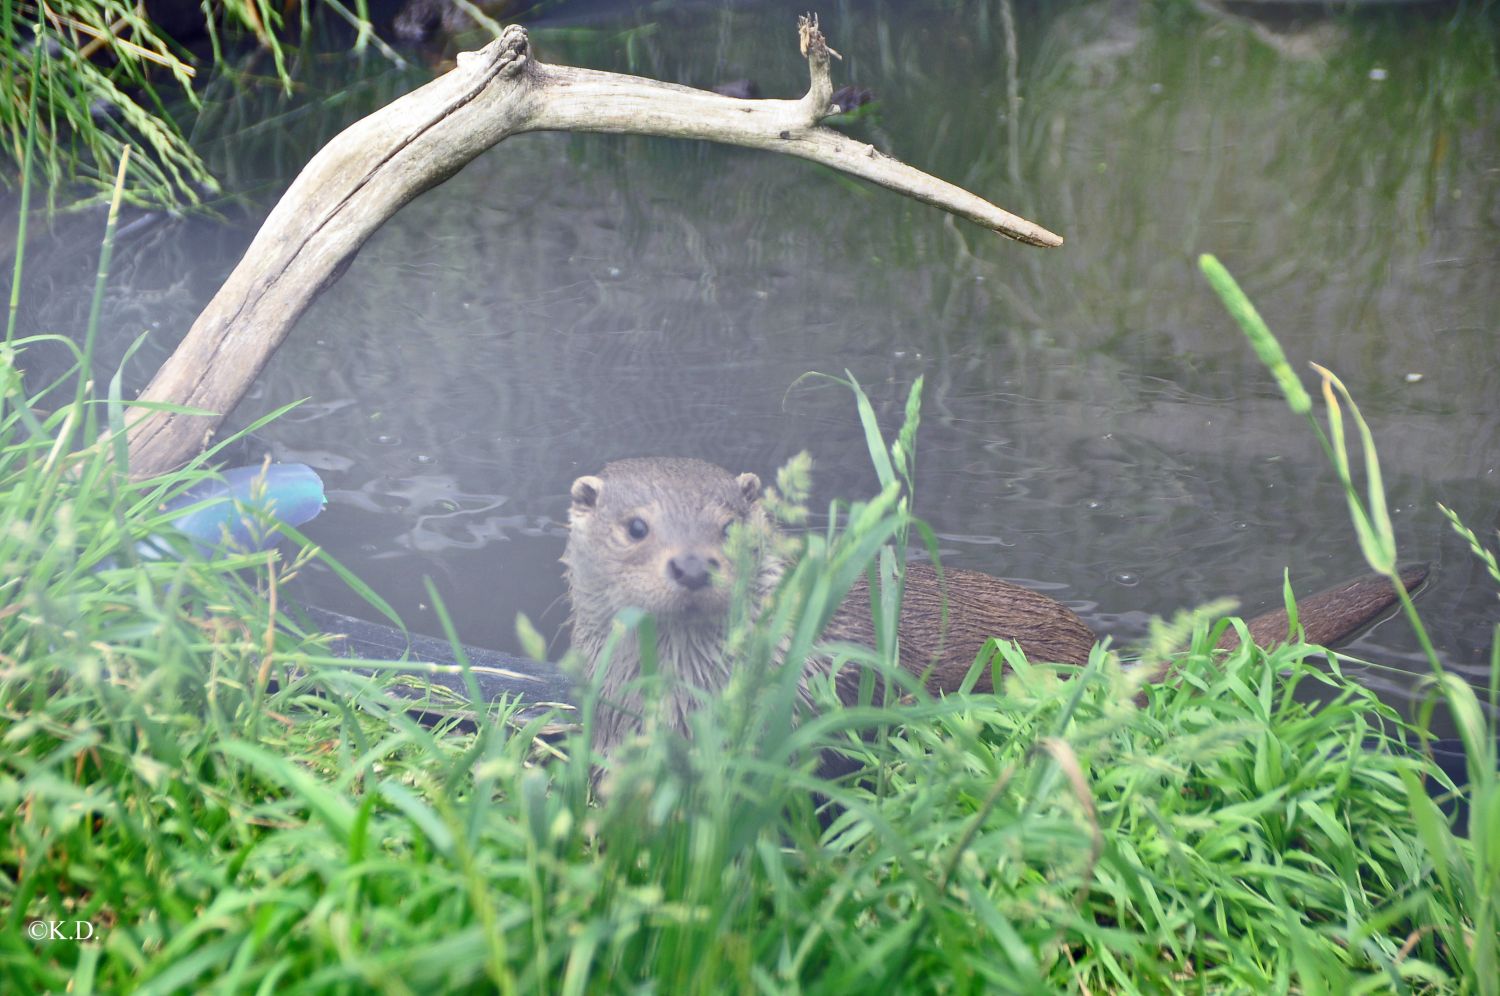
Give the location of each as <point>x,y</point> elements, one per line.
<point>374,167</point>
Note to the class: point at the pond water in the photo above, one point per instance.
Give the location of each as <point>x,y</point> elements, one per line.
<point>1093,423</point>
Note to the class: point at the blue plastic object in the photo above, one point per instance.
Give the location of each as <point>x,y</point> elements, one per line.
<point>252,500</point>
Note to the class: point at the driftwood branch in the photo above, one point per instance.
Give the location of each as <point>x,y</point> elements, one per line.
<point>373,168</point>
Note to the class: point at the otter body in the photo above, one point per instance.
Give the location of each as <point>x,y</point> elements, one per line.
<point>649,534</point>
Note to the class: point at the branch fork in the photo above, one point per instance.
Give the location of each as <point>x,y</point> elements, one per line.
<point>377,165</point>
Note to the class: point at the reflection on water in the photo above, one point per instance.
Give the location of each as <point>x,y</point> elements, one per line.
<point>1093,423</point>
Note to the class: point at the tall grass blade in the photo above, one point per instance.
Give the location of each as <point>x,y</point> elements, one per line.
<point>1261,340</point>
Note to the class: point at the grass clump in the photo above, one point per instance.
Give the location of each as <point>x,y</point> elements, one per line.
<point>86,79</point>
<point>1466,915</point>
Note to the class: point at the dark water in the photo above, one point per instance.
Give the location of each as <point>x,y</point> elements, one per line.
<point>1093,422</point>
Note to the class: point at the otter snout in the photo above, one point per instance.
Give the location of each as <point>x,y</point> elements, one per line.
<point>692,571</point>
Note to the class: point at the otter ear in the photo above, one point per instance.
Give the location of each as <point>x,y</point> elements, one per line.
<point>749,487</point>
<point>586,494</point>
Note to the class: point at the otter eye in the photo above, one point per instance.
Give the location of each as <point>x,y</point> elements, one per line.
<point>637,529</point>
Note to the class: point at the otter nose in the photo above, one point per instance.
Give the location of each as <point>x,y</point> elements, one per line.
<point>690,570</point>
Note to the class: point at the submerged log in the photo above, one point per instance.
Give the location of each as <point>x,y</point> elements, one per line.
<point>377,165</point>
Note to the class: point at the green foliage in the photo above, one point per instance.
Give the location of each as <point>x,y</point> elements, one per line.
<point>1467,916</point>
<point>85,79</point>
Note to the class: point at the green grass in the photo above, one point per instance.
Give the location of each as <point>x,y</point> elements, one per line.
<point>231,810</point>
<point>84,79</point>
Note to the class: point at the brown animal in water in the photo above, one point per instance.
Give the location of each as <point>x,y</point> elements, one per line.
<point>649,534</point>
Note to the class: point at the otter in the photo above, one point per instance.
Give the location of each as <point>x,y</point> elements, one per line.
<point>649,534</point>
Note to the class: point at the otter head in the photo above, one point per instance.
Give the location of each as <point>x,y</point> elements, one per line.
<point>649,534</point>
